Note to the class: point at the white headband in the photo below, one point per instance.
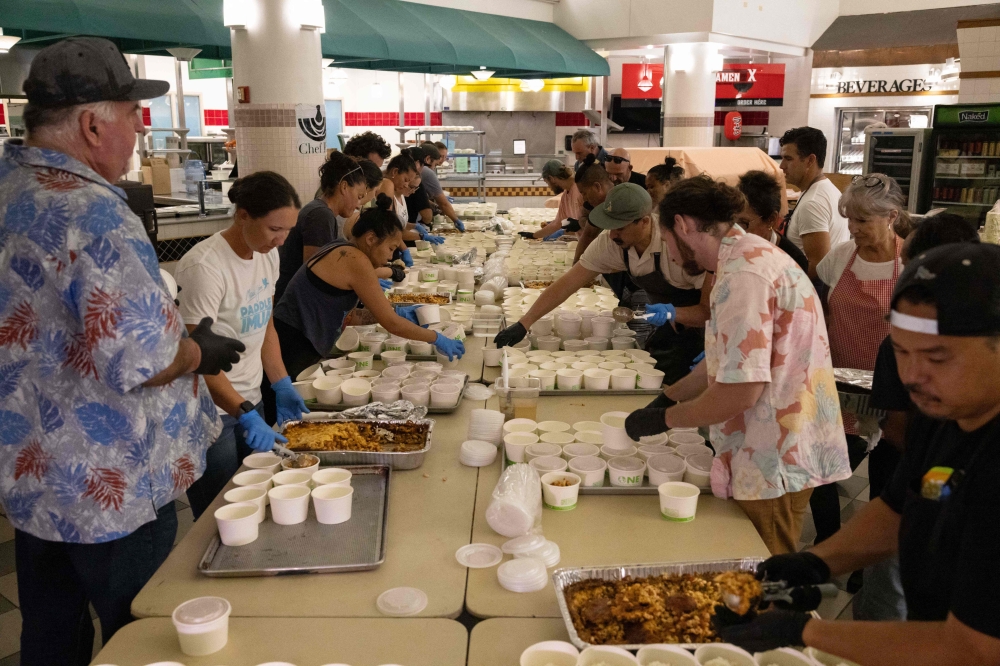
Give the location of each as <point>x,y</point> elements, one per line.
<point>913,324</point>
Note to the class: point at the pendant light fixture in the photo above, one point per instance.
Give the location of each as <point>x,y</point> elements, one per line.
<point>482,74</point>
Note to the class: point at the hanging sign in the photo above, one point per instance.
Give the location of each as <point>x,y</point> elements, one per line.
<point>733,125</point>
<point>740,84</point>
<point>642,81</point>
<point>311,122</point>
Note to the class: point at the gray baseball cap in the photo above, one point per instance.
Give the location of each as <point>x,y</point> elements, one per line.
<point>81,70</point>
<point>625,204</point>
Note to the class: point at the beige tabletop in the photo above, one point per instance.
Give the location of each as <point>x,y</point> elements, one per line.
<point>608,530</point>
<point>301,641</point>
<point>500,642</point>
<point>471,362</point>
<point>430,517</point>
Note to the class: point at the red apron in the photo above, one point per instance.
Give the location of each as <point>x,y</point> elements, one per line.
<point>857,321</point>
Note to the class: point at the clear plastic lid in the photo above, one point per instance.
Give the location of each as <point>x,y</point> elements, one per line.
<point>479,556</point>
<point>524,544</point>
<point>654,449</point>
<point>401,601</point>
<point>580,449</point>
<point>201,611</point>
<point>547,463</point>
<point>541,449</point>
<point>649,440</point>
<point>626,464</point>
<point>701,461</point>
<point>588,464</point>
<point>667,463</point>
<point>525,570</point>
<point>478,448</point>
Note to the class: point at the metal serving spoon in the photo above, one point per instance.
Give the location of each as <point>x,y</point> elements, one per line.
<point>624,315</point>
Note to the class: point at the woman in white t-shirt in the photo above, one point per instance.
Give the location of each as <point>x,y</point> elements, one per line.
<point>230,277</point>
<point>860,275</point>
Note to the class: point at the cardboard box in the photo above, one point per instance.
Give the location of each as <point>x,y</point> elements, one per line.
<point>160,172</point>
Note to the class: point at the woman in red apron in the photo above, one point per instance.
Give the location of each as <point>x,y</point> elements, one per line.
<point>861,275</point>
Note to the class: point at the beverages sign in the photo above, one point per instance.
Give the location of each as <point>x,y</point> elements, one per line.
<point>740,84</point>
<point>881,86</point>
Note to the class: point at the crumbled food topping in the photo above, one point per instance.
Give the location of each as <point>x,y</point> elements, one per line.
<point>563,483</point>
<point>355,436</point>
<point>302,461</point>
<point>741,585</point>
<point>440,299</point>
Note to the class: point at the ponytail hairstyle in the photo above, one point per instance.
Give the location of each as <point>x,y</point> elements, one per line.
<point>591,172</point>
<point>373,175</point>
<point>339,167</point>
<point>262,192</point>
<point>402,163</point>
<point>379,219</point>
<point>667,172</point>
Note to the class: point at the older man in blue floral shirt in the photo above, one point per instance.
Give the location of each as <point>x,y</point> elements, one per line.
<point>102,423</point>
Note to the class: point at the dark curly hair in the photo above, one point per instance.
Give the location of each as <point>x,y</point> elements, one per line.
<point>364,144</point>
<point>262,192</point>
<point>666,172</point>
<point>373,175</point>
<point>710,202</point>
<point>591,172</point>
<point>763,193</point>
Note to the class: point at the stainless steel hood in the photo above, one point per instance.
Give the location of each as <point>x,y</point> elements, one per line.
<point>504,101</point>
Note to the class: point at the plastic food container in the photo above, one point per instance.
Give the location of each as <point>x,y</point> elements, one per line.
<point>653,439</point>
<point>327,390</point>
<point>445,395</point>
<point>613,429</point>
<point>578,450</point>
<point>734,655</point>
<point>560,497</point>
<point>650,379</point>
<point>238,523</point>
<point>393,357</point>
<point>548,342</point>
<point>596,379</point>
<point>623,379</point>
<point>623,343</point>
<point>491,356</point>
<point>363,360</point>
<point>587,426</point>
<point>590,469</point>
<point>607,655</point>
<point>516,443</point>
<point>312,466</point>
<point>349,339</point>
<point>540,450</point>
<point>609,451</point>
<point>546,378</point>
<point>569,380</point>
<point>574,345</point>
<point>560,439</point>
<point>255,496</point>
<point>520,425</point>
<point>292,477</point>
<point>202,625</point>
<point>678,437</point>
<point>543,326</point>
<point>305,389</point>
<point>647,451</point>
<point>665,467</point>
<point>418,394</point>
<point>289,504</point>
<point>550,653</point>
<point>420,348</point>
<point>671,655</point>
<point>626,471</point>
<point>678,501</point>
<point>699,470</point>
<point>254,479</point>
<point>333,504</point>
<point>385,393</point>
<point>597,343</point>
<point>265,462</point>
<point>686,450</point>
<point>547,464</point>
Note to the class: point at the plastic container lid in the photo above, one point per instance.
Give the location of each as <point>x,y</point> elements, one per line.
<point>626,464</point>
<point>543,449</point>
<point>548,553</point>
<point>478,448</point>
<point>476,391</point>
<point>507,519</point>
<point>523,544</point>
<point>546,464</point>
<point>666,462</point>
<point>701,461</point>
<point>402,601</point>
<point>479,556</point>
<point>201,611</point>
<point>655,449</point>
<point>589,464</point>
<point>648,440</point>
<point>522,575</point>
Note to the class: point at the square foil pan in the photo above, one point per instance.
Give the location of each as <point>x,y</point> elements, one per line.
<point>396,460</point>
<point>563,578</point>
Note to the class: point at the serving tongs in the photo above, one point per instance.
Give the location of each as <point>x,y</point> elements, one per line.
<point>285,452</point>
<point>799,597</point>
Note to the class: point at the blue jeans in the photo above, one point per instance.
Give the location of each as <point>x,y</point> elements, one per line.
<point>221,462</point>
<point>56,581</point>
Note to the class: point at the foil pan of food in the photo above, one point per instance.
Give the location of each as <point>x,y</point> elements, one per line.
<point>399,443</point>
<point>630,606</point>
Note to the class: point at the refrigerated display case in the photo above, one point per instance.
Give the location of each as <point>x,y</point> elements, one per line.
<point>966,145</point>
<point>902,154</point>
<point>850,148</point>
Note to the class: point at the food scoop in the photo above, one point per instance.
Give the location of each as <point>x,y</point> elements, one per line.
<point>624,315</point>
<point>799,597</point>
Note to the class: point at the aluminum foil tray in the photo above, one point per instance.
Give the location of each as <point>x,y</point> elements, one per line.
<point>563,578</point>
<point>310,547</point>
<point>397,460</point>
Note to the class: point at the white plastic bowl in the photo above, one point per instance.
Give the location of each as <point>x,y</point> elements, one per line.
<point>356,391</point>
<point>237,523</point>
<point>327,390</point>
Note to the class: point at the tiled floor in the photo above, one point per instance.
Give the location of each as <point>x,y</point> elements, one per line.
<point>853,496</point>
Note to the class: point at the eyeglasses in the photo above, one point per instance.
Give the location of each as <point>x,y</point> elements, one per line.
<point>618,160</point>
<point>872,180</point>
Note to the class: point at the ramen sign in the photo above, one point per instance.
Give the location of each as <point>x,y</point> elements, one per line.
<point>740,84</point>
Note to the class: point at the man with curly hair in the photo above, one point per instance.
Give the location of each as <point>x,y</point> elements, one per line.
<point>368,146</point>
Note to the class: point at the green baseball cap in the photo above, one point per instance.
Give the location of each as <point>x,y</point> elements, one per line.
<point>552,168</point>
<point>625,204</point>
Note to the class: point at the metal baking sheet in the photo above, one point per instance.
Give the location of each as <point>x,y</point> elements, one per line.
<point>430,410</point>
<point>608,489</point>
<point>397,460</point>
<point>310,547</point>
<point>563,578</point>
<point>638,391</point>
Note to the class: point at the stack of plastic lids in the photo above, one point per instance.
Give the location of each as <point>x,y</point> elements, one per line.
<point>476,453</point>
<point>523,575</point>
<point>548,553</point>
<point>523,544</point>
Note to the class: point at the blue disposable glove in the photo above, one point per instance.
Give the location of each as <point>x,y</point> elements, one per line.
<point>697,359</point>
<point>385,284</point>
<point>460,226</point>
<point>434,240</point>
<point>451,348</point>
<point>291,406</point>
<point>554,236</point>
<point>407,259</point>
<point>259,435</point>
<point>422,230</point>
<point>408,312</point>
<point>662,313</point>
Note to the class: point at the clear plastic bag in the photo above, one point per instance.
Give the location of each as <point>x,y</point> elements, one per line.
<point>516,508</point>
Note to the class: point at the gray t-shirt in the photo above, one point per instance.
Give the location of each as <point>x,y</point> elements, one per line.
<point>429,181</point>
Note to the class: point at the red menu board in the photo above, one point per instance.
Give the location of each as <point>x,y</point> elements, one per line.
<point>749,85</point>
<point>647,75</point>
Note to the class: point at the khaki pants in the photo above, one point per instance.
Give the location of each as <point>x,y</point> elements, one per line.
<point>779,521</point>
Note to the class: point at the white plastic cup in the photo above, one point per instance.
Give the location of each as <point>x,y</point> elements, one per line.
<point>491,356</point>
<point>238,523</point>
<point>678,501</point>
<point>699,470</point>
<point>623,343</point>
<point>626,472</point>
<point>265,462</point>
<point>664,468</point>
<point>420,348</point>
<point>363,360</point>
<point>202,625</point>
<point>614,429</point>
<point>254,479</point>
<point>650,379</point>
<point>560,498</point>
<point>543,326</point>
<point>568,379</point>
<point>623,379</point>
<point>601,326</point>
<point>516,443</point>
<point>547,378</point>
<point>292,477</point>
<point>590,469</point>
<point>333,504</point>
<point>332,476</point>
<point>418,394</point>
<point>327,390</point>
<point>305,389</point>
<point>597,343</point>
<point>596,379</point>
<point>289,504</point>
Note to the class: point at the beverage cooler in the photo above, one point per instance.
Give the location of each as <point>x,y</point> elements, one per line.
<point>966,145</point>
<point>849,148</point>
<point>902,154</point>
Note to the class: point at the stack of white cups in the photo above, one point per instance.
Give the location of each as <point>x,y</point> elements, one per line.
<point>486,425</point>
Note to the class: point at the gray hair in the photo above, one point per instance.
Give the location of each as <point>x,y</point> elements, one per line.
<point>873,195</point>
<point>588,137</point>
<point>59,125</point>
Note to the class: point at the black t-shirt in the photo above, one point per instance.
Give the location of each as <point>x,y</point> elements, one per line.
<point>797,255</point>
<point>637,178</point>
<point>415,203</point>
<point>887,388</point>
<point>317,225</point>
<point>949,546</point>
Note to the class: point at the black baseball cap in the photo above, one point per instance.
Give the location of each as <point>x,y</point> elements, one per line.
<point>963,280</point>
<point>82,70</point>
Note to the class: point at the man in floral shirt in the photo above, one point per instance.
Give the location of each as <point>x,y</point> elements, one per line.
<point>766,386</point>
<point>102,423</point>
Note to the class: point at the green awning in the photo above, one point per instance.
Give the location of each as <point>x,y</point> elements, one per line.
<point>409,37</point>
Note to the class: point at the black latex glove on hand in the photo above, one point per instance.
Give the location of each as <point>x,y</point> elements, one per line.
<point>218,353</point>
<point>511,335</point>
<point>803,568</point>
<point>765,631</point>
<point>646,422</point>
<point>526,234</point>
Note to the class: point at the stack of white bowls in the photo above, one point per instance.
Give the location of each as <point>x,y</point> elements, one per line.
<point>475,453</point>
<point>523,575</point>
<point>486,425</point>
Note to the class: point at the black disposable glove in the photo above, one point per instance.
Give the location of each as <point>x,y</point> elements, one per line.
<point>646,422</point>
<point>218,353</point>
<point>530,235</point>
<point>766,631</point>
<point>803,568</point>
<point>398,274</point>
<point>511,335</point>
